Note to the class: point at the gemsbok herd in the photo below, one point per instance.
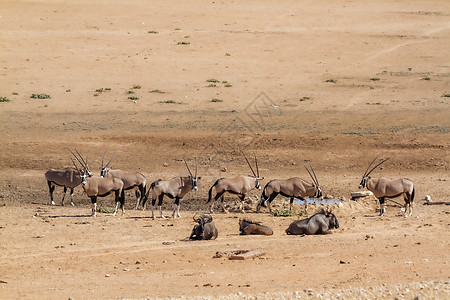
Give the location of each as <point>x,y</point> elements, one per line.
<point>117,181</point>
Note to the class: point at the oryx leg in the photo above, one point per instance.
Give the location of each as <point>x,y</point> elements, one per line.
<point>382,208</point>
<point>64,195</point>
<point>94,206</point>
<point>71,197</point>
<point>160,200</point>
<point>138,197</point>
<point>176,207</point>
<point>304,200</point>
<point>242,197</point>
<point>222,205</point>
<point>51,188</point>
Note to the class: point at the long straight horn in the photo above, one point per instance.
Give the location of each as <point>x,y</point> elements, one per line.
<point>254,174</point>
<point>368,167</point>
<point>85,163</point>
<point>257,169</point>
<point>196,167</point>
<point>103,158</point>
<point>377,166</point>
<point>190,173</point>
<point>317,180</point>
<point>110,159</point>
<point>314,181</point>
<point>76,167</point>
<point>81,163</point>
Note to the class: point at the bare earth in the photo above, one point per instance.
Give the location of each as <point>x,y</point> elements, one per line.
<point>327,83</point>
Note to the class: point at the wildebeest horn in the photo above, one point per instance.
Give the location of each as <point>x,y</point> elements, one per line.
<point>194,217</point>
<point>114,155</point>
<point>377,166</point>
<point>190,173</point>
<point>254,174</point>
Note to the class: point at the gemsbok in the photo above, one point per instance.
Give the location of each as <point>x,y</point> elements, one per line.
<point>383,188</point>
<point>101,187</point>
<point>239,185</point>
<point>130,180</point>
<point>67,178</point>
<point>294,188</point>
<point>176,188</point>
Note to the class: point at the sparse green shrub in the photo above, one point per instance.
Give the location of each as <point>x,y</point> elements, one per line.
<point>426,78</point>
<point>15,93</point>
<point>170,101</point>
<point>100,90</point>
<point>157,91</point>
<point>133,98</point>
<point>286,213</point>
<point>183,43</point>
<point>227,85</point>
<point>304,98</point>
<point>129,92</point>
<point>136,87</point>
<point>4,99</point>
<point>40,96</point>
<point>153,32</point>
<point>375,79</point>
<point>331,80</point>
<point>105,209</point>
<point>216,100</point>
<point>213,80</point>
<point>445,95</point>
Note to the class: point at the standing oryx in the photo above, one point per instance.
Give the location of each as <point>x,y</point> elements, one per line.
<point>384,188</point>
<point>176,188</point>
<point>239,185</point>
<point>294,187</point>
<point>67,178</point>
<point>100,187</point>
<point>130,180</point>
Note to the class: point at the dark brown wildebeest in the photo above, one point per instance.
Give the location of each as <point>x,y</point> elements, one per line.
<point>252,227</point>
<point>320,223</point>
<point>205,230</point>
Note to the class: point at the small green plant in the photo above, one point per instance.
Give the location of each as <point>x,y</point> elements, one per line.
<point>129,92</point>
<point>136,87</point>
<point>445,95</point>
<point>153,32</point>
<point>178,28</point>
<point>375,79</point>
<point>183,43</point>
<point>99,90</point>
<point>68,90</point>
<point>40,96</point>
<point>133,98</point>
<point>331,80</point>
<point>282,213</point>
<point>426,78</point>
<point>227,85</point>
<point>304,98</point>
<point>107,89</point>
<point>105,209</point>
<point>170,101</point>
<point>4,99</point>
<point>211,85</point>
<point>213,80</point>
<point>216,100</point>
<point>15,93</point>
<point>227,54</point>
<point>157,91</point>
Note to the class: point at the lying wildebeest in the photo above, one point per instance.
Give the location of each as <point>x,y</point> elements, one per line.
<point>251,227</point>
<point>320,223</point>
<point>205,230</point>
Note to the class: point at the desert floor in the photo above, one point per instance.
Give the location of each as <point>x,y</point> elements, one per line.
<point>331,84</point>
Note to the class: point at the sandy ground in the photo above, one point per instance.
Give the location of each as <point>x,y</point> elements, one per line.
<point>331,84</point>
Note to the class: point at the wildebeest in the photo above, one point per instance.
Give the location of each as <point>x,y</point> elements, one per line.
<point>252,227</point>
<point>205,229</point>
<point>176,188</point>
<point>294,187</point>
<point>67,178</point>
<point>384,188</point>
<point>239,185</point>
<point>319,223</point>
<point>130,180</point>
